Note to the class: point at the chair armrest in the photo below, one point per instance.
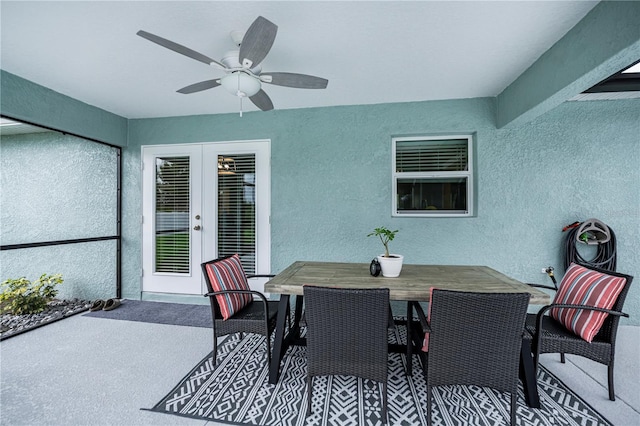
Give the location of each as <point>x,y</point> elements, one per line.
<point>544,309</point>
<point>542,286</point>
<point>261,296</point>
<point>253,292</point>
<point>261,276</point>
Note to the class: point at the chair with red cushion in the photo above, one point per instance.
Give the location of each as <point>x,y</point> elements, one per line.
<point>235,308</point>
<point>583,317</point>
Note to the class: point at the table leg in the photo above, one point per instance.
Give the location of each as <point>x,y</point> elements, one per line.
<point>409,339</point>
<point>297,317</point>
<point>528,375</point>
<point>279,347</point>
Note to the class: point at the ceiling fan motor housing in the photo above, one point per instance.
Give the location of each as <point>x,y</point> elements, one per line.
<point>231,60</point>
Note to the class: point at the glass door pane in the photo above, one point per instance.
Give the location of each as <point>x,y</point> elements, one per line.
<point>172,201</point>
<point>237,208</point>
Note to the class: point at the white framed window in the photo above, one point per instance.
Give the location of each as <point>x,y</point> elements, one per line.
<point>432,176</point>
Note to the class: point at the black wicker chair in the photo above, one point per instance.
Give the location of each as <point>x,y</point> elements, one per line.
<point>550,336</point>
<point>347,335</point>
<point>474,339</point>
<point>257,317</point>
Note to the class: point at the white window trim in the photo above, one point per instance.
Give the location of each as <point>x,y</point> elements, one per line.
<point>467,173</point>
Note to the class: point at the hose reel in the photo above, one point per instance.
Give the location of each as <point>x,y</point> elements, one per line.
<point>591,232</point>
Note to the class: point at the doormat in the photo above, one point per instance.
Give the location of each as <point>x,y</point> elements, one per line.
<point>159,313</point>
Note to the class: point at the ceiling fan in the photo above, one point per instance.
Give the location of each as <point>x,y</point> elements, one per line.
<point>243,73</point>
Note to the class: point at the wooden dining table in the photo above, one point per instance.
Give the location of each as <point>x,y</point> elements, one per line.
<point>413,285</point>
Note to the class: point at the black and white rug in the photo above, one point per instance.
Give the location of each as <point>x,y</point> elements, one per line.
<point>237,391</point>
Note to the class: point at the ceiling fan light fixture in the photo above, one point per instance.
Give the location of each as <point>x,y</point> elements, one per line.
<point>226,166</point>
<point>241,84</point>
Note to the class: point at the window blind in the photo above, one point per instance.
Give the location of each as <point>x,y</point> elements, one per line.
<point>237,208</point>
<point>172,215</point>
<point>431,156</point>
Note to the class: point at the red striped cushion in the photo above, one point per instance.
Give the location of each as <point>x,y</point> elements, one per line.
<point>228,274</point>
<point>583,286</point>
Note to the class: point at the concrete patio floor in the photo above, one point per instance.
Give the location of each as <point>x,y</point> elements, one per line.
<point>95,371</point>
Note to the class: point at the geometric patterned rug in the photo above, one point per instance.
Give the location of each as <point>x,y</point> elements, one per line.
<point>236,391</point>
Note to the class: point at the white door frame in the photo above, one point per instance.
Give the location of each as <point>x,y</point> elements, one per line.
<point>204,203</point>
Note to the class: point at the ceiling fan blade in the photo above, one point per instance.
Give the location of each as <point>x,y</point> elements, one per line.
<point>262,101</point>
<point>257,42</point>
<point>300,81</point>
<point>179,48</point>
<point>198,87</point>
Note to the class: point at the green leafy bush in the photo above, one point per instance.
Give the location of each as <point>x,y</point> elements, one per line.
<point>20,296</point>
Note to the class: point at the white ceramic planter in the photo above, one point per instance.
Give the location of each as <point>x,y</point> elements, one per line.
<point>391,266</point>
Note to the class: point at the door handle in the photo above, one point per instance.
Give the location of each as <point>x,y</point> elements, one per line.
<point>196,228</point>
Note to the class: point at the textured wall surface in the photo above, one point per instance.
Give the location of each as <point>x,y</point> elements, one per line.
<point>88,269</point>
<point>590,52</point>
<point>58,187</point>
<point>331,182</point>
<point>26,101</point>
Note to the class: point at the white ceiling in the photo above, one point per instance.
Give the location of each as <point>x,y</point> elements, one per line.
<point>371,52</point>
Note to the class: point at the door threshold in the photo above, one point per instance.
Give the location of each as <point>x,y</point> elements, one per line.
<point>192,299</point>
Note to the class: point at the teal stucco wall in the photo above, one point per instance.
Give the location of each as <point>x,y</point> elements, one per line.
<point>331,182</point>
<point>59,187</point>
<point>606,41</point>
<point>32,103</point>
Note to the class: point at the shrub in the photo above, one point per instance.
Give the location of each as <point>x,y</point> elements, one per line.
<point>20,296</point>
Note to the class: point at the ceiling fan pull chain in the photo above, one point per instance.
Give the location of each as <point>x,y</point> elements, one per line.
<point>240,95</point>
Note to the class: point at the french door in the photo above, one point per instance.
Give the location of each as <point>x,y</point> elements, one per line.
<point>200,202</point>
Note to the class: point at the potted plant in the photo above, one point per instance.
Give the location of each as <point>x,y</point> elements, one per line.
<point>391,264</point>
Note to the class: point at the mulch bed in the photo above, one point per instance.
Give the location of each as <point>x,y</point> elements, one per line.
<point>12,325</point>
